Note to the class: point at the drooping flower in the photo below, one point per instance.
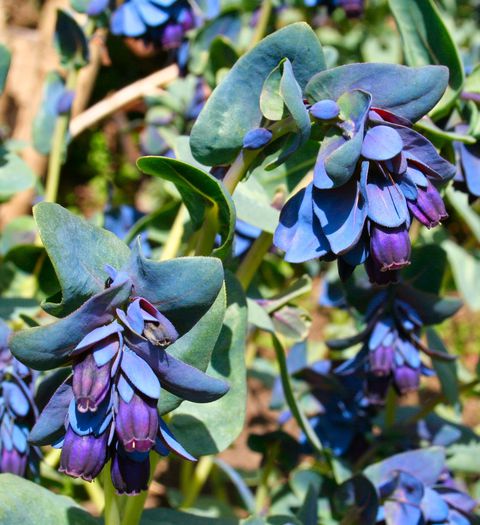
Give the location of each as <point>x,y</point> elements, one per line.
<point>17,412</point>
<point>467,178</point>
<point>107,409</point>
<point>373,175</point>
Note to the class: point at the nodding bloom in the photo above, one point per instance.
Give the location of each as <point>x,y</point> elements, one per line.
<point>467,178</point>
<point>392,345</point>
<point>17,412</point>
<point>335,405</point>
<point>110,402</point>
<point>373,175</point>
<point>415,487</point>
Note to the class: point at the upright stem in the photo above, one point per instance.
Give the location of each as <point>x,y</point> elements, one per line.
<point>111,513</point>
<point>174,239</point>
<point>58,145</point>
<point>206,239</point>
<point>261,497</point>
<point>200,475</point>
<point>252,261</point>
<point>262,24</point>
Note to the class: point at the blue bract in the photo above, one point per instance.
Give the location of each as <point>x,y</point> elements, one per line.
<point>373,174</point>
<point>17,412</point>
<point>392,345</point>
<point>124,352</point>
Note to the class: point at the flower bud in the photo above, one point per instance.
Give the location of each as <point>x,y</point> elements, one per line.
<point>128,475</point>
<point>429,208</point>
<point>91,383</point>
<point>83,456</point>
<point>13,462</point>
<point>137,424</point>
<point>406,379</point>
<point>381,361</point>
<point>390,247</point>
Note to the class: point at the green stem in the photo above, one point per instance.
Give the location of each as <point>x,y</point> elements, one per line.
<point>111,513</point>
<point>135,504</point>
<point>261,496</point>
<point>252,261</point>
<point>200,475</point>
<point>95,493</point>
<point>206,238</point>
<point>390,408</point>
<point>174,239</point>
<point>262,24</point>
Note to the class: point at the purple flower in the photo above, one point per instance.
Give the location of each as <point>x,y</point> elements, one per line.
<point>467,178</point>
<point>373,175</point>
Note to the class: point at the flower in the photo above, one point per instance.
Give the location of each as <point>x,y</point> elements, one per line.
<point>120,219</point>
<point>17,412</point>
<point>373,175</point>
<point>467,178</point>
<point>107,409</point>
<point>391,344</point>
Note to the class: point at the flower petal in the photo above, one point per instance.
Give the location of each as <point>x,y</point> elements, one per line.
<point>140,374</point>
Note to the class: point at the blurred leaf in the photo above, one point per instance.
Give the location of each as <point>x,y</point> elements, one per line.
<point>20,230</point>
<point>48,507</point>
<point>426,40</point>
<point>174,517</point>
<point>407,92</point>
<point>15,174</point>
<point>308,512</point>
<point>464,458</point>
<point>459,201</point>
<point>5,57</point>
<point>446,370</point>
<point>210,428</point>
<point>357,501</point>
<point>230,112</point>
<point>292,322</point>
<point>427,268</point>
<point>199,191</point>
<point>222,56</point>
<point>244,492</point>
<point>70,41</point>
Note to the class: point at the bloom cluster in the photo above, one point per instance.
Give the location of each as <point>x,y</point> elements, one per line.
<point>372,176</point>
<point>110,401</point>
<point>17,412</point>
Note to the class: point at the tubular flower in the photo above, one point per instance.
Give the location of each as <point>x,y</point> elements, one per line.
<point>392,345</point>
<point>373,175</point>
<point>17,412</point>
<point>119,371</point>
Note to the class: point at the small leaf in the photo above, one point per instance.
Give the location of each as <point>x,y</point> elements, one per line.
<point>15,174</point>
<point>5,57</point>
<point>70,41</point>
<point>271,101</point>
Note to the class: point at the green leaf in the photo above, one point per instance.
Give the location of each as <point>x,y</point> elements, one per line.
<point>199,191</point>
<point>271,101</point>
<point>70,41</point>
<point>464,458</point>
<point>466,272</point>
<point>15,174</point>
<point>407,92</point>
<point>48,507</point>
<point>222,56</point>
<point>446,370</point>
<point>174,517</point>
<point>427,268</point>
<point>212,427</point>
<point>426,40</point>
<point>356,499</point>
<point>79,252</point>
<point>233,108</point>
<point>459,201</point>
<point>5,57</point>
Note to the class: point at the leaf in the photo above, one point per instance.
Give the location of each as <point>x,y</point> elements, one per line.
<point>70,41</point>
<point>233,108</point>
<point>308,512</point>
<point>466,272</point>
<point>357,500</point>
<point>459,201</point>
<point>426,40</point>
<point>211,428</point>
<point>222,56</point>
<point>405,91</point>
<point>271,101</point>
<point>48,507</point>
<point>199,191</point>
<point>174,517</point>
<point>5,58</point>
<point>446,371</point>
<point>15,174</point>
<point>79,252</point>
<point>427,268</point>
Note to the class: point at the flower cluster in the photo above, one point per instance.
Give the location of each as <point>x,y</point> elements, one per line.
<point>373,174</point>
<point>17,412</point>
<point>391,345</point>
<point>416,487</point>
<point>107,409</point>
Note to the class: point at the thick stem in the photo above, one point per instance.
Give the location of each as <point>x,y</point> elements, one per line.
<point>252,261</point>
<point>206,239</point>
<point>200,475</point>
<point>174,239</point>
<point>111,514</point>
<point>262,24</point>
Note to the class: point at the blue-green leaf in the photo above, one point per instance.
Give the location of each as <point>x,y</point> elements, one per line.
<point>15,174</point>
<point>70,41</point>
<point>4,66</point>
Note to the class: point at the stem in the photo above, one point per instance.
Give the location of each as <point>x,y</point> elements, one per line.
<point>174,240</point>
<point>237,170</point>
<point>390,408</point>
<point>206,239</point>
<point>95,493</point>
<point>261,28</point>
<point>252,261</point>
<point>111,513</point>
<point>134,507</point>
<point>261,496</point>
<point>58,145</point>
<point>200,475</point>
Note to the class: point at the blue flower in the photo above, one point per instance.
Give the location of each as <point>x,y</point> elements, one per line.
<point>17,412</point>
<point>119,220</point>
<point>467,178</point>
<point>373,175</point>
<point>107,409</point>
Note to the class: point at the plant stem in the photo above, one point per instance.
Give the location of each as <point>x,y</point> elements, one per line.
<point>261,497</point>
<point>95,493</point>
<point>111,512</point>
<point>55,160</point>
<point>237,170</point>
<point>390,408</point>
<point>174,239</point>
<point>206,239</point>
<point>252,261</point>
<point>200,475</point>
<point>262,24</point>
<point>134,507</point>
